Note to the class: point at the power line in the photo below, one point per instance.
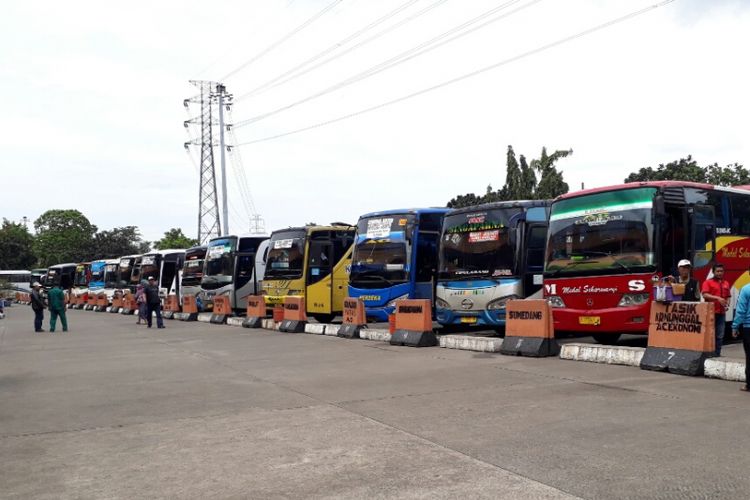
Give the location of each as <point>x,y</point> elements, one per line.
<point>402,57</point>
<point>466,75</point>
<point>283,39</point>
<point>273,82</point>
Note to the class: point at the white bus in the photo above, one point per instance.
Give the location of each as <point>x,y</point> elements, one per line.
<point>163,266</point>
<point>19,280</point>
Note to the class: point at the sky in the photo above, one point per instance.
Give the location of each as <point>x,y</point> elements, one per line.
<point>92,101</point>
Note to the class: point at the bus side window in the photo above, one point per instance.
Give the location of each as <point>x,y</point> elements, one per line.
<point>426,256</point>
<point>740,215</point>
<point>535,248</point>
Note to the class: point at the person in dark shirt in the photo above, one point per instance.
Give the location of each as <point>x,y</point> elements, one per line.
<point>37,305</point>
<point>153,303</point>
<point>692,288</point>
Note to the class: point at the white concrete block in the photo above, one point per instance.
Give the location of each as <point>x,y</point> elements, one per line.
<point>725,369</point>
<point>381,335</point>
<point>109,308</point>
<point>316,328</point>
<point>595,353</point>
<point>235,321</point>
<point>471,343</point>
<point>332,330</point>
<point>204,317</point>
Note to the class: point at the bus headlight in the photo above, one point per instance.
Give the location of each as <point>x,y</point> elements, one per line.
<point>555,301</point>
<point>392,303</point>
<point>500,303</point>
<point>633,299</point>
<point>441,304</point>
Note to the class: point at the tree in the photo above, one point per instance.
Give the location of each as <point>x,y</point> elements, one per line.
<point>514,180</point>
<point>16,246</point>
<point>687,169</point>
<point>117,242</point>
<point>174,238</point>
<point>63,236</point>
<point>551,183</point>
<point>528,180</point>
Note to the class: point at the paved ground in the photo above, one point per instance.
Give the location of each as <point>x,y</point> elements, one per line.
<point>111,410</point>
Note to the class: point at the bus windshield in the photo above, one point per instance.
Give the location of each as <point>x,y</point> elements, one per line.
<point>111,275</point>
<point>192,272</point>
<point>54,277</point>
<point>602,233</point>
<point>286,252</point>
<point>478,244</point>
<point>150,267</point>
<point>124,271</point>
<point>81,278</point>
<point>381,251</point>
<point>219,262</point>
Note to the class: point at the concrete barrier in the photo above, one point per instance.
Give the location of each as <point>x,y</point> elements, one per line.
<point>204,317</point>
<point>235,321</point>
<point>529,330</point>
<point>270,324</point>
<point>725,369</point>
<point>354,318</point>
<point>295,317</point>
<point>413,324</point>
<point>315,328</point>
<point>332,330</point>
<point>595,353</point>
<point>378,334</point>
<point>471,343</point>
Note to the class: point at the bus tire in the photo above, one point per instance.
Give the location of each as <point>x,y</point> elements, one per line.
<point>323,318</point>
<point>606,338</point>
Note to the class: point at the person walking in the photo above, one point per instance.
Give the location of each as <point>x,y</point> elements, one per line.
<point>716,289</point>
<point>140,299</point>
<point>56,299</point>
<point>741,325</point>
<point>37,305</point>
<point>153,303</point>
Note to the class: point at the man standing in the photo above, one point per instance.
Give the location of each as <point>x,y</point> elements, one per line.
<point>56,299</point>
<point>692,290</point>
<point>37,305</point>
<point>741,324</point>
<point>153,303</point>
<point>716,290</point>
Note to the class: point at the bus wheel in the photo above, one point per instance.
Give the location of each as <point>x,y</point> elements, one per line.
<point>323,318</point>
<point>606,338</point>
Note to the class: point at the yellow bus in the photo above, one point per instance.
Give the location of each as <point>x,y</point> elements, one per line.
<point>312,262</point>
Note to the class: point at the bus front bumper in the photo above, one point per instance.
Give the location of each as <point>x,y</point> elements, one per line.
<point>612,320</point>
<point>493,318</point>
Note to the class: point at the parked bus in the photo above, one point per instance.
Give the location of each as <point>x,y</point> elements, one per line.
<point>163,266</point>
<point>395,257</point>
<point>127,273</point>
<point>311,262</point>
<point>96,280</point>
<point>607,247</point>
<point>19,280</point>
<point>234,267</point>
<point>489,254</point>
<point>192,271</point>
<point>38,275</point>
<point>81,280</point>
<point>62,275</point>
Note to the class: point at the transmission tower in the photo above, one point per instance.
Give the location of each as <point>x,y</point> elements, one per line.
<point>212,97</point>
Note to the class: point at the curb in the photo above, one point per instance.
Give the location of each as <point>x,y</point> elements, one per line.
<point>610,355</point>
<point>471,343</point>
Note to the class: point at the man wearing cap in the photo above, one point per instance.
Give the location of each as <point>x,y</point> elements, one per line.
<point>692,290</point>
<point>153,303</point>
<point>37,305</point>
<point>716,289</point>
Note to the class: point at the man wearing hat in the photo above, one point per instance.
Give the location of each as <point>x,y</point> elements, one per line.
<point>692,290</point>
<point>153,303</point>
<point>37,305</point>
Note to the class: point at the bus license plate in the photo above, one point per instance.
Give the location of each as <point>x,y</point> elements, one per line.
<point>468,319</point>
<point>589,320</point>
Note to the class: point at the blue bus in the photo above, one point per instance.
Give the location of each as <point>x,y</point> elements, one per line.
<point>489,254</point>
<point>395,257</point>
<point>96,281</point>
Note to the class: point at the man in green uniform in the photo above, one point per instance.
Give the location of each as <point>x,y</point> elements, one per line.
<point>56,300</point>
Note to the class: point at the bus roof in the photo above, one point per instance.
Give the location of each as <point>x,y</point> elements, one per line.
<point>134,256</point>
<point>69,264</point>
<point>503,204</point>
<point>15,271</point>
<point>168,251</point>
<point>238,236</point>
<point>400,211</point>
<point>655,184</point>
<point>312,229</point>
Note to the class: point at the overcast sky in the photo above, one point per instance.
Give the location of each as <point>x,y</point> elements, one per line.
<point>92,101</point>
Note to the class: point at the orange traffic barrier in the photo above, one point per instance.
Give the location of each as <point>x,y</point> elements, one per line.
<point>117,300</point>
<point>222,305</point>
<point>295,316</point>
<point>414,324</point>
<point>681,336</point>
<point>189,305</point>
<point>256,311</point>
<point>278,313</point>
<point>101,301</point>
<point>529,329</point>
<point>354,318</point>
<point>129,305</point>
<point>172,304</point>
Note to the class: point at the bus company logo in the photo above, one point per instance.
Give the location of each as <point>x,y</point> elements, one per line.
<point>735,253</point>
<point>369,298</point>
<point>476,218</point>
<point>597,218</point>
<point>588,289</point>
<point>467,304</point>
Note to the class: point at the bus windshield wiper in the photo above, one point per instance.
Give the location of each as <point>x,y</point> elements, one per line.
<point>371,274</point>
<point>573,264</point>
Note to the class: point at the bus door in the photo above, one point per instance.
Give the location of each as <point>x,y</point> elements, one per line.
<point>245,279</point>
<point>532,263</point>
<point>703,235</point>
<point>425,263</point>
<point>318,280</point>
<point>343,242</point>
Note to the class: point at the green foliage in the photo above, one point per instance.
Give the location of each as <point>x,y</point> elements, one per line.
<point>687,169</point>
<point>521,181</point>
<point>118,242</point>
<point>62,236</point>
<point>16,246</point>
<point>175,238</point>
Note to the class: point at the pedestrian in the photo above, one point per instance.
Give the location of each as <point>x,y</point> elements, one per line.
<point>692,290</point>
<point>56,299</point>
<point>741,325</point>
<point>37,305</point>
<point>716,289</point>
<point>153,303</point>
<point>140,299</point>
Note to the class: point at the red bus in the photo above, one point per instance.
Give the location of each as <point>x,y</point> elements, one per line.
<point>606,247</point>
